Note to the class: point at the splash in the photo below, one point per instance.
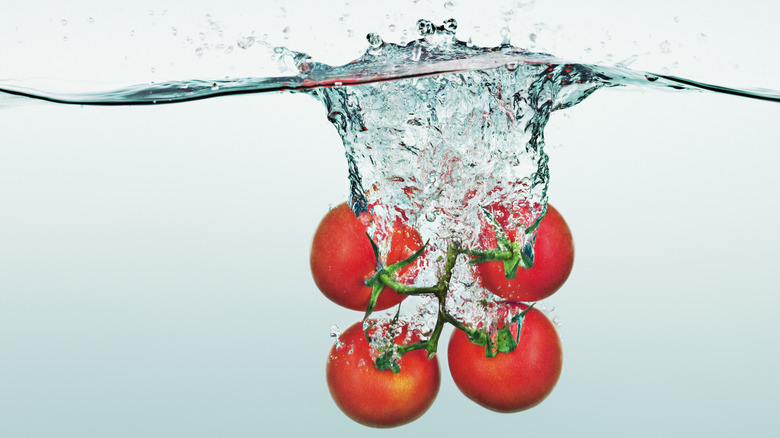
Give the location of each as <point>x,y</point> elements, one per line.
<point>436,132</point>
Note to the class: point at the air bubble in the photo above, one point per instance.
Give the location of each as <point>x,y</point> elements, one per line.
<point>449,4</point>
<point>199,51</point>
<point>214,86</point>
<point>90,20</point>
<point>286,32</point>
<point>391,28</point>
<point>174,31</point>
<point>64,22</point>
<point>416,53</point>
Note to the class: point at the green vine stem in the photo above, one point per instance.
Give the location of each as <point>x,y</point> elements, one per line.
<point>386,277</point>
<point>508,252</point>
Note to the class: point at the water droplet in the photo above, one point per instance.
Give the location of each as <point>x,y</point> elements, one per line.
<point>506,35</point>
<point>512,66</point>
<point>350,33</point>
<point>90,20</point>
<point>425,28</point>
<point>64,22</point>
<point>449,4</point>
<point>374,39</point>
<point>246,42</point>
<point>666,46</point>
<point>391,28</point>
<point>507,16</point>
<point>214,86</point>
<point>676,19</point>
<point>199,51</point>
<point>335,332</point>
<point>338,84</point>
<point>651,78</point>
<point>450,25</point>
<point>532,37</point>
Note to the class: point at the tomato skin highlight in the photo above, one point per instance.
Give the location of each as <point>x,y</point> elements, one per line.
<point>509,382</point>
<point>380,398</point>
<point>553,262</point>
<point>342,258</point>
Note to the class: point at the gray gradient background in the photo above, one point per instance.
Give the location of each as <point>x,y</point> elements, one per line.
<point>154,261</point>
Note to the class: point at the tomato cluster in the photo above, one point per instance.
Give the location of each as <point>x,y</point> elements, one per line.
<point>397,385</point>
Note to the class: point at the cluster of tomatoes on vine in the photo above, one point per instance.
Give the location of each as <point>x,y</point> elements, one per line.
<point>510,368</point>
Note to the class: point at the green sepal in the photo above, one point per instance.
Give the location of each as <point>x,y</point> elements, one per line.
<point>366,328</point>
<point>386,361</point>
<point>374,247</point>
<point>375,291</point>
<point>511,265</point>
<point>505,340</point>
<point>407,261</point>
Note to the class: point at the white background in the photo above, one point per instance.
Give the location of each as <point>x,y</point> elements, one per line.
<point>154,260</point>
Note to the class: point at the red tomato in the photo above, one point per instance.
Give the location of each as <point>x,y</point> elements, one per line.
<point>342,259</point>
<point>553,260</point>
<point>509,382</point>
<point>380,398</point>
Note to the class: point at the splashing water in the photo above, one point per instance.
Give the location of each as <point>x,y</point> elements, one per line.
<point>435,132</point>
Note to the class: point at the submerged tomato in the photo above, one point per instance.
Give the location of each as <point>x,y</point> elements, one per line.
<point>342,259</point>
<point>380,398</point>
<point>509,382</point>
<point>553,261</point>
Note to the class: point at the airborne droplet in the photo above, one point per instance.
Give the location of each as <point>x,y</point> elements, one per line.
<point>374,39</point>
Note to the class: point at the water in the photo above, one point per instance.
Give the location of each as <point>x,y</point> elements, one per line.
<point>137,289</point>
<point>434,131</point>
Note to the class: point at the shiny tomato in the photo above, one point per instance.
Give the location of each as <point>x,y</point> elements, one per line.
<point>380,398</point>
<point>509,382</point>
<point>553,261</point>
<point>342,259</point>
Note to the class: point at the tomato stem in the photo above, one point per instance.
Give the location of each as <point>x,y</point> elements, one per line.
<point>386,277</point>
